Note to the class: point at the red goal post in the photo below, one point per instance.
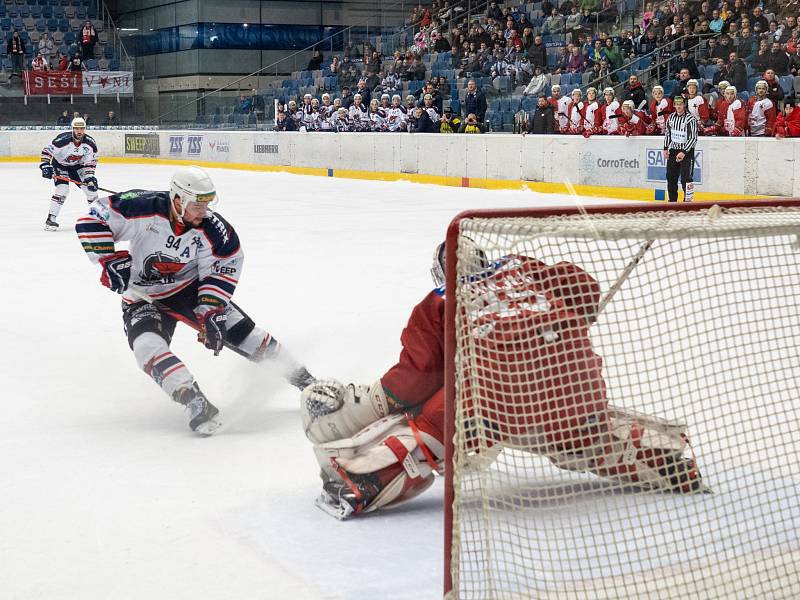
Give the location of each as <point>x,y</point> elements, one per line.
<point>699,328</point>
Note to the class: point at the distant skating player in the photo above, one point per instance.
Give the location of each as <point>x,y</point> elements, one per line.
<point>187,261</point>
<point>74,156</point>
<point>379,444</point>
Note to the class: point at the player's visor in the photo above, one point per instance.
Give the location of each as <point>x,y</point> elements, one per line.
<point>208,200</point>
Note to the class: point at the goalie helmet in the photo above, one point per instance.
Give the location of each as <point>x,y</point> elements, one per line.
<point>192,184</point>
<point>475,257</point>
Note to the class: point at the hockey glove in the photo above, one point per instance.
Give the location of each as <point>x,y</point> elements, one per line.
<point>212,322</point>
<point>90,183</point>
<point>116,271</point>
<point>47,170</point>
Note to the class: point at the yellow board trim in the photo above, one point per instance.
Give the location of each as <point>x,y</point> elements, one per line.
<point>541,187</point>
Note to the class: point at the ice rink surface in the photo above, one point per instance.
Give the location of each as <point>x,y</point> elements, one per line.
<point>104,491</point>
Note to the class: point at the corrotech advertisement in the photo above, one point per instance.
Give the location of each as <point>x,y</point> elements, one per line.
<point>57,83</point>
<point>89,83</point>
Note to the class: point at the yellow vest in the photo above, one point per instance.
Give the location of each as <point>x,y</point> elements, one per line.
<point>472,129</point>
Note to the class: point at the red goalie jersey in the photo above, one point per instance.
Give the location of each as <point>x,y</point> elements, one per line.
<point>533,354</point>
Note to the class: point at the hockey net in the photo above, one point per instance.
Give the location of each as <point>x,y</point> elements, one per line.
<point>701,329</point>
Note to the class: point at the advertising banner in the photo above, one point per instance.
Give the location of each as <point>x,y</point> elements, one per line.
<point>144,144</point>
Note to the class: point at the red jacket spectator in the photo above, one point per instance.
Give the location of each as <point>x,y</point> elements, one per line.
<point>788,125</point>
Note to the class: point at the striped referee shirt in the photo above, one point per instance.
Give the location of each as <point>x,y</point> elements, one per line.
<point>681,132</point>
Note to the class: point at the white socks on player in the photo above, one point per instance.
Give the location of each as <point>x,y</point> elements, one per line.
<point>155,358</point>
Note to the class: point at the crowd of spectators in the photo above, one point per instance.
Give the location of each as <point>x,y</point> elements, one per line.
<point>46,55</point>
<point>522,51</point>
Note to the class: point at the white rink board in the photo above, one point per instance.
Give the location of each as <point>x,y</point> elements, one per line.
<point>739,166</point>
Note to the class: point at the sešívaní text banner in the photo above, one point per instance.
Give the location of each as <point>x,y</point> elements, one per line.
<point>88,83</point>
<point>59,83</point>
<point>107,83</point>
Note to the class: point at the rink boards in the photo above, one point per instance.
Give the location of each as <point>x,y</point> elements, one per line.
<point>625,168</point>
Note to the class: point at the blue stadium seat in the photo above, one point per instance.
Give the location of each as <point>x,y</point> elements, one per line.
<point>566,78</point>
<point>528,103</point>
<point>456,106</point>
<point>751,83</point>
<point>108,52</point>
<point>113,65</point>
<point>58,12</point>
<point>52,24</point>
<point>743,96</point>
<point>5,23</point>
<point>669,87</point>
<point>63,25</point>
<point>787,83</point>
<point>69,38</point>
<point>13,11</point>
<point>17,23</point>
<point>24,11</point>
<point>91,64</point>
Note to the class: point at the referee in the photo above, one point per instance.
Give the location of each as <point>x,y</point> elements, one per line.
<point>680,138</point>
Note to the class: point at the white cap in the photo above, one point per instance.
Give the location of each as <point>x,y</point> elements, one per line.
<point>78,122</point>
<point>629,103</point>
<point>192,184</point>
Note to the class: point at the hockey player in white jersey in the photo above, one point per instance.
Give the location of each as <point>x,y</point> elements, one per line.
<point>183,263</point>
<point>74,156</point>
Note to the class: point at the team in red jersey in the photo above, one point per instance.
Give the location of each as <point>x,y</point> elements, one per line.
<point>761,112</point>
<point>632,122</point>
<point>660,108</point>
<point>542,389</point>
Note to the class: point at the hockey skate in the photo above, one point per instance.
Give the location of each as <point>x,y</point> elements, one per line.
<point>341,501</point>
<point>50,224</point>
<point>202,414</point>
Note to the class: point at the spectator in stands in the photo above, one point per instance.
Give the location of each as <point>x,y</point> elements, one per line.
<point>537,84</point>
<point>347,97</point>
<point>572,24</point>
<point>553,24</point>
<point>420,121</point>
<point>63,119</point>
<point>76,62</point>
<point>243,105</point>
<point>778,60</point>
<point>788,122</point>
<point>475,101</point>
<point>284,122</point>
<point>63,62</point>
<point>685,62</point>
<point>494,11</point>
<point>348,72</point>
<point>737,72</point>
<point>774,89</point>
<point>258,107</point>
<point>39,63</point>
<point>613,54</point>
<point>15,48</point>
<point>88,38</point>
<point>577,62</point>
<point>443,88</point>
<point>794,63</point>
<point>472,125</point>
<point>45,48</point>
<point>597,53</point>
<point>760,62</point>
<point>723,48</point>
<point>537,53</point>
<point>635,92</point>
<point>759,19</point>
<point>541,120</point>
<point>112,120</point>
<point>315,62</point>
<point>363,89</point>
<point>334,68</point>
<point>88,119</point>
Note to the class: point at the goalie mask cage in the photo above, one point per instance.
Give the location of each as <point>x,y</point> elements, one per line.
<point>703,331</point>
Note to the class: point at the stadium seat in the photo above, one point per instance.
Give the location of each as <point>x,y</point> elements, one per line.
<point>669,87</point>
<point>743,96</point>
<point>787,84</point>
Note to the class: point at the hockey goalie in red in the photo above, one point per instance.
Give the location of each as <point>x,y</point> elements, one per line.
<point>542,390</point>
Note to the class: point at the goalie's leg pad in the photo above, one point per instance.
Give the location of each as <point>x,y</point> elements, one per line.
<point>638,449</point>
<point>392,450</point>
<point>332,410</point>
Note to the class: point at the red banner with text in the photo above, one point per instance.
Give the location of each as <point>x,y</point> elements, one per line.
<point>61,83</point>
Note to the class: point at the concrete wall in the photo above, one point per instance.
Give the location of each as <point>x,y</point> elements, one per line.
<point>605,166</point>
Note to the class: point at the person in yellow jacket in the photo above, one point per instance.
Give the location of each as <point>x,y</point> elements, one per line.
<point>449,123</point>
<point>471,125</point>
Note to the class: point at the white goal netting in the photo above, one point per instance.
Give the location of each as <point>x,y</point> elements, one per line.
<point>700,337</point>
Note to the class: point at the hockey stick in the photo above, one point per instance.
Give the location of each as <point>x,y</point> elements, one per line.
<point>139,293</point>
<point>623,277</point>
<point>79,183</point>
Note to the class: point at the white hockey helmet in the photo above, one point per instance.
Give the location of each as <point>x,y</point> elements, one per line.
<point>469,251</point>
<point>762,84</point>
<point>693,82</point>
<point>630,104</point>
<point>192,184</point>
<point>78,122</point>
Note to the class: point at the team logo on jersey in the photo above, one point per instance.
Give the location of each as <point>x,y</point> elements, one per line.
<point>160,268</point>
